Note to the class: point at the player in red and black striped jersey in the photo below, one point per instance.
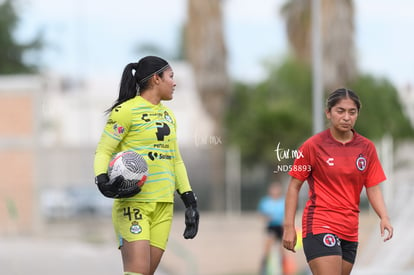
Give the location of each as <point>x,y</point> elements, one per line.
<point>337,164</point>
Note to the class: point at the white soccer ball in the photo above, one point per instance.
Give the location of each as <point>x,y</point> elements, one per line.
<point>131,165</point>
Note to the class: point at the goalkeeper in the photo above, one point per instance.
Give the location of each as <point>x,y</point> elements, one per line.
<point>138,121</point>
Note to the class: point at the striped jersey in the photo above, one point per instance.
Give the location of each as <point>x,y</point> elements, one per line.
<point>149,130</point>
<point>336,175</point>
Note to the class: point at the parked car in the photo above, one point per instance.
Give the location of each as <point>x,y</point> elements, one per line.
<point>73,201</point>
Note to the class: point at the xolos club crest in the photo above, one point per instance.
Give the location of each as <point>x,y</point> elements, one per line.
<point>330,240</point>
<point>361,162</point>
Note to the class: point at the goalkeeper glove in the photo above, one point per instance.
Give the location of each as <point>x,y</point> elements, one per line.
<point>117,187</point>
<point>192,216</point>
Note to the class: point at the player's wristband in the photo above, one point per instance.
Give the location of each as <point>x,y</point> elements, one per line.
<point>189,199</point>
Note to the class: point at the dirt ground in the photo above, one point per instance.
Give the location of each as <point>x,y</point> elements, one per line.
<point>225,245</point>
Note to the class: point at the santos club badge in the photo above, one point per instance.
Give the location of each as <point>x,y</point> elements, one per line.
<point>135,228</point>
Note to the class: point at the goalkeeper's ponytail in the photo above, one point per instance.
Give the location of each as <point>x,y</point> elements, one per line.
<point>135,77</point>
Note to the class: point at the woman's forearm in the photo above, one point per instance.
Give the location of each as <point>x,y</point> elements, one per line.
<point>291,202</point>
<point>376,200</point>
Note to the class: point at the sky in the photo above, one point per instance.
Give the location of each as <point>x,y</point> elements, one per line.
<point>100,36</point>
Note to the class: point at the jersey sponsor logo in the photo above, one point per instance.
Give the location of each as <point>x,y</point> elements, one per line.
<point>162,130</point>
<point>361,163</point>
<point>330,161</point>
<point>110,121</point>
<point>148,116</point>
<point>330,240</point>
<point>155,155</point>
<point>162,146</point>
<point>135,228</point>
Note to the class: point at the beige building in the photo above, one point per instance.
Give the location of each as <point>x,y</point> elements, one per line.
<point>20,98</point>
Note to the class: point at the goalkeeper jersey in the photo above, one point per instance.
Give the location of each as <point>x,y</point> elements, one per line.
<point>149,130</point>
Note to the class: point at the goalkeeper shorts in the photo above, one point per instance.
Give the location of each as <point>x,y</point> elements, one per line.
<point>134,221</point>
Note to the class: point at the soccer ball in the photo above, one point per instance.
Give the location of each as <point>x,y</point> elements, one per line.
<point>131,165</point>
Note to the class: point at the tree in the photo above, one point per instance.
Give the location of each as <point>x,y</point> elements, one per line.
<point>12,53</point>
<point>206,52</point>
<point>338,49</point>
<point>275,111</point>
<point>382,111</point>
<point>278,110</point>
<point>339,65</point>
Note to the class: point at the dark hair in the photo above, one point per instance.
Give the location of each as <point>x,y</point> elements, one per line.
<point>135,77</point>
<point>340,94</point>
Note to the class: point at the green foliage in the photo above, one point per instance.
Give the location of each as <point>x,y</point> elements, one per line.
<point>381,111</point>
<point>276,111</point>
<point>279,110</point>
<point>12,53</point>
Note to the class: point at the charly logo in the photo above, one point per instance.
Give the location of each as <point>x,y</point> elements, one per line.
<point>330,161</point>
<point>135,228</point>
<point>145,118</point>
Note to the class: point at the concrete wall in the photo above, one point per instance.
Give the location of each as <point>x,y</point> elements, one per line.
<point>19,109</point>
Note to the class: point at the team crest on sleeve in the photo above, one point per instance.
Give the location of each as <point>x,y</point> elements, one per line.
<point>361,163</point>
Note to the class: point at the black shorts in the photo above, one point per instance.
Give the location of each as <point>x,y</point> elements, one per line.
<point>276,230</point>
<point>327,244</point>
